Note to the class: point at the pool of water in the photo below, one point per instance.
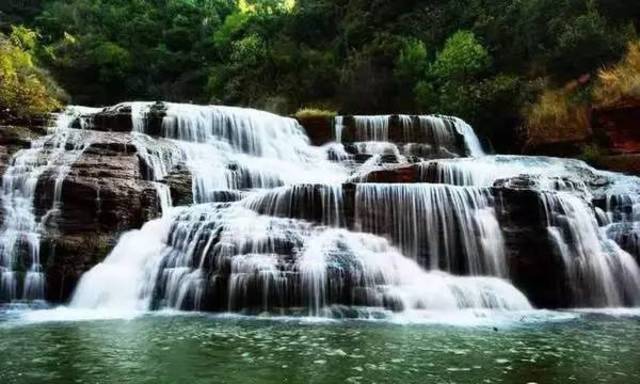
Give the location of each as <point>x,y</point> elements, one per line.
<point>576,347</point>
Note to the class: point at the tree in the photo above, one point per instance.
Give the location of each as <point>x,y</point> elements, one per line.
<point>462,58</point>
<point>25,90</point>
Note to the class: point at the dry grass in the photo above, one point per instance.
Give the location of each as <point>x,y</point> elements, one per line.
<point>555,118</point>
<point>620,83</point>
<point>308,113</point>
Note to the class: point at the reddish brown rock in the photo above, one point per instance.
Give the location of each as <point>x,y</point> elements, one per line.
<point>627,163</point>
<point>398,174</point>
<point>619,128</point>
<point>319,129</point>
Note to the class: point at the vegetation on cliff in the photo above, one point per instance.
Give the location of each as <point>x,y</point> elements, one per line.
<point>25,89</point>
<point>562,114</point>
<point>494,63</point>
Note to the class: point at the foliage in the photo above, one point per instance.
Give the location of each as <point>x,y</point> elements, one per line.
<point>412,62</point>
<point>557,116</point>
<point>462,58</point>
<point>621,82</point>
<point>25,90</point>
<point>480,59</point>
<point>592,154</point>
<point>309,113</point>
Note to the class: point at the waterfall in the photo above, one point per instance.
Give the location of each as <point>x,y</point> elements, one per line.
<point>280,226</point>
<point>442,227</point>
<point>423,135</point>
<point>49,157</point>
<point>372,128</point>
<point>338,126</point>
<point>121,281</point>
<point>320,203</point>
<point>281,245</point>
<point>485,171</point>
<point>600,272</point>
<point>224,257</point>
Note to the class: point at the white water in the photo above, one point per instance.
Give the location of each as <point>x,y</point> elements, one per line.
<point>250,251</point>
<point>50,158</point>
<point>422,135</point>
<point>283,247</point>
<point>442,227</point>
<point>601,273</point>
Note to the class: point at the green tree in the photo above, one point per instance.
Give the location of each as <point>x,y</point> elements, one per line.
<point>462,58</point>
<point>25,90</point>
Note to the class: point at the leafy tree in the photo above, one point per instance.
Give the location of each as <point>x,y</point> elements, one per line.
<point>25,90</point>
<point>462,58</point>
<point>412,63</point>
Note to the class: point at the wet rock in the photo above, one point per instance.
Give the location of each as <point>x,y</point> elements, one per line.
<point>394,174</point>
<point>118,119</point>
<point>534,265</point>
<point>320,129</point>
<point>113,119</point>
<point>103,195</point>
<point>180,183</point>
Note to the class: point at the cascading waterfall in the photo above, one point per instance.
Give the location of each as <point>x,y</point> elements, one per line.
<point>283,246</point>
<point>51,157</point>
<point>442,227</point>
<point>372,128</point>
<point>222,256</point>
<point>485,171</point>
<point>320,203</point>
<point>234,148</point>
<point>599,271</point>
<point>621,217</point>
<point>277,226</point>
<point>422,135</point>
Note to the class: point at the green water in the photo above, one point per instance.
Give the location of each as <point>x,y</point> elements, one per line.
<point>207,349</point>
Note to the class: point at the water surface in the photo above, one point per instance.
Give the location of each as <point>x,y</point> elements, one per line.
<point>566,348</point>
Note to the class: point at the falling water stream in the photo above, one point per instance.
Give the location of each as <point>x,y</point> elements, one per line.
<point>277,228</point>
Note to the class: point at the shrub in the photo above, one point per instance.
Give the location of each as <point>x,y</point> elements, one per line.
<point>621,82</point>
<point>556,116</point>
<point>462,57</point>
<point>25,90</point>
<point>309,113</point>
<point>592,154</point>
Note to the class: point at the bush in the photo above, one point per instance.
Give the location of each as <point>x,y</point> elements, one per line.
<point>25,90</point>
<point>462,57</point>
<point>592,154</point>
<point>556,116</point>
<point>310,113</point>
<point>620,83</point>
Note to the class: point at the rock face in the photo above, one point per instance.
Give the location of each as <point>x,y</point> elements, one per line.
<point>613,129</point>
<point>180,184</point>
<point>618,127</point>
<point>319,129</point>
<point>534,267</point>
<point>118,119</point>
<point>103,195</point>
<point>394,174</point>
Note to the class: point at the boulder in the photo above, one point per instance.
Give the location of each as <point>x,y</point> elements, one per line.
<point>320,129</point>
<point>180,183</point>
<point>534,266</point>
<point>103,195</point>
<point>617,127</point>
<point>405,173</point>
